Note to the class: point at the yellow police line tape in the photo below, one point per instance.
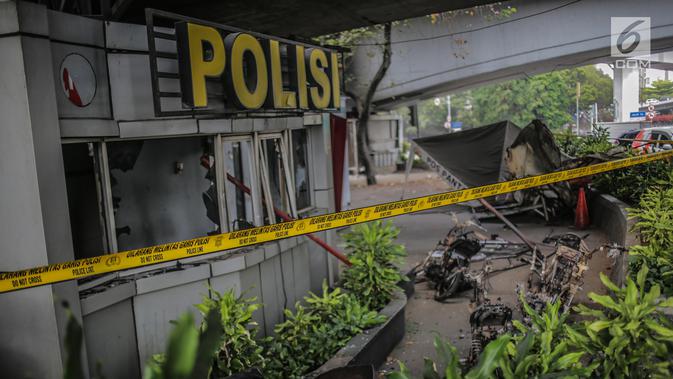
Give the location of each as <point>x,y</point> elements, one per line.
<point>59,272</point>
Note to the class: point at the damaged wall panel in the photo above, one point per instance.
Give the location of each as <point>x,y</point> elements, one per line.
<point>157,190</point>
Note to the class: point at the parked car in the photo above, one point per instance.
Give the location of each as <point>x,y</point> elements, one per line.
<point>626,138</point>
<point>643,137</point>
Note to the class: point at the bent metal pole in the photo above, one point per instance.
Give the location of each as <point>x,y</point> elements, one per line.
<point>286,217</point>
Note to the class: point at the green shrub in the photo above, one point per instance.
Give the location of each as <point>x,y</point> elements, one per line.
<point>654,226</point>
<point>537,351</point>
<point>239,350</point>
<point>661,262</point>
<point>378,238</point>
<point>654,217</point>
<point>311,335</point>
<point>577,146</point>
<point>373,276</point>
<point>542,349</point>
<point>372,283</point>
<point>629,184</point>
<point>344,314</point>
<point>296,347</point>
<point>627,336</point>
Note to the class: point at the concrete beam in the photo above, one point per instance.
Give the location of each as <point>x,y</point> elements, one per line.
<point>467,51</point>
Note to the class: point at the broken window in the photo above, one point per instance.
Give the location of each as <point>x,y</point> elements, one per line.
<point>275,177</point>
<point>85,204</point>
<point>163,190</point>
<point>239,182</point>
<point>300,156</point>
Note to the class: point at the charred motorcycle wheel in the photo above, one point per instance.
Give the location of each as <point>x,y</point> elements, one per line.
<point>449,286</point>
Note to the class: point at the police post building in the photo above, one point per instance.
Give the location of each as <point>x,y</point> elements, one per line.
<point>120,136</point>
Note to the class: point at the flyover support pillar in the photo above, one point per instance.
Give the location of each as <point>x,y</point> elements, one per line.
<point>625,92</point>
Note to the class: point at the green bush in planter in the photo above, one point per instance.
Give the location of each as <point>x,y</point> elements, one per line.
<point>296,346</point>
<point>629,184</point>
<point>239,350</point>
<point>372,283</point>
<point>661,262</point>
<point>374,254</point>
<point>654,226</point>
<point>313,334</point>
<point>344,314</point>
<point>378,238</point>
<point>627,335</point>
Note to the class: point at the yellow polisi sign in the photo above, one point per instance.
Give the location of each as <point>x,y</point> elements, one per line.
<point>251,68</point>
<point>58,272</point>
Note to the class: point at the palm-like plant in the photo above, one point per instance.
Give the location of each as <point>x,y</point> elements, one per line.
<point>377,237</point>
<point>239,350</point>
<point>629,337</point>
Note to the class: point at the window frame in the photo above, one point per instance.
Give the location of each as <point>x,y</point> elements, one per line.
<point>254,181</point>
<point>309,168</point>
<point>264,173</point>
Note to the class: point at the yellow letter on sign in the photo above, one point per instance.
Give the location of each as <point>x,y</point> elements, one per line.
<point>277,96</point>
<point>242,47</point>
<point>321,93</point>
<point>196,62</point>
<point>297,63</point>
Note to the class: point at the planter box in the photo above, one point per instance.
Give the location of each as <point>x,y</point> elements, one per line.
<point>409,286</point>
<point>609,214</point>
<point>372,346</point>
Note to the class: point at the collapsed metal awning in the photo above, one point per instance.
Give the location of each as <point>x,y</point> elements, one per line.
<point>469,158</point>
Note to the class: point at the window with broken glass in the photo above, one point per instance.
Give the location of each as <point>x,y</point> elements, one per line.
<point>163,190</point>
<point>240,182</point>
<point>130,194</point>
<point>276,179</point>
<point>300,165</point>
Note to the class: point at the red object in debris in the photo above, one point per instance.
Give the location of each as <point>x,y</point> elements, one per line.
<point>582,211</point>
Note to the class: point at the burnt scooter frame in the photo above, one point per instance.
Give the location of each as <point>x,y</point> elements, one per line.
<point>447,266</point>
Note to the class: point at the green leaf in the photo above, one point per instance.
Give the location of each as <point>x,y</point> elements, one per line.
<point>568,360</point>
<point>641,277</point>
<point>182,347</point>
<point>659,329</point>
<point>666,303</point>
<point>429,369</point>
<point>522,368</point>
<point>404,373</point>
<point>597,326</point>
<point>523,348</point>
<point>209,342</point>
<point>604,300</point>
<point>631,297</point>
<point>489,358</point>
<point>609,284</point>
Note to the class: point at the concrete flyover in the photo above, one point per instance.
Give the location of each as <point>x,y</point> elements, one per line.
<point>464,51</point>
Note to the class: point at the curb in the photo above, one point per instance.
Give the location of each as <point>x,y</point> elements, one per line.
<point>609,214</point>
<point>372,346</point>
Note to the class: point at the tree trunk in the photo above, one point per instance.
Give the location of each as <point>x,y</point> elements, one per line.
<point>364,152</point>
